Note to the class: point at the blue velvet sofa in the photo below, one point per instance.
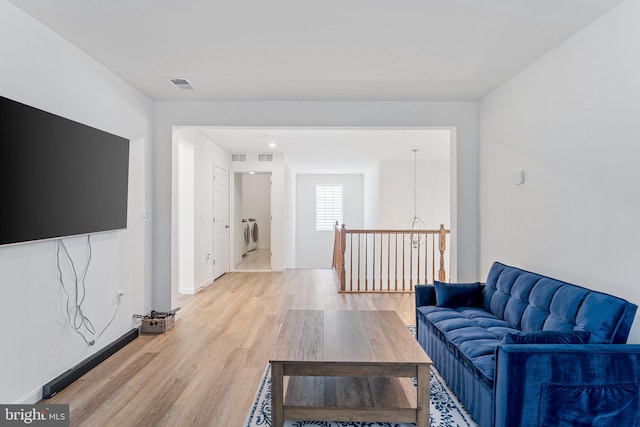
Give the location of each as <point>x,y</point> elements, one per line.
<point>523,349</point>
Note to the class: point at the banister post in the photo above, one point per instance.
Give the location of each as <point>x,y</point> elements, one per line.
<point>442,274</point>
<point>343,246</point>
<point>334,261</point>
<point>339,247</point>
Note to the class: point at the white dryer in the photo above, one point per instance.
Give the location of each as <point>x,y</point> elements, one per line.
<point>246,236</point>
<point>253,227</point>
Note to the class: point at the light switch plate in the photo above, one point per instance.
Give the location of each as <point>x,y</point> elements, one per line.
<point>517,177</point>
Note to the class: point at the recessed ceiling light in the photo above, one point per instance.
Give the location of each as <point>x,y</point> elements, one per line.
<point>270,140</point>
<point>252,173</point>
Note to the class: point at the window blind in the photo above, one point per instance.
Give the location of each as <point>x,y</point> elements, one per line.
<point>328,206</point>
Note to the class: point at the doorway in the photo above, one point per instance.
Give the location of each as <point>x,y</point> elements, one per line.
<point>201,229</point>
<point>253,198</point>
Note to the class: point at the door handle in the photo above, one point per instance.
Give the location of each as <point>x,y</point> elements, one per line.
<point>226,226</point>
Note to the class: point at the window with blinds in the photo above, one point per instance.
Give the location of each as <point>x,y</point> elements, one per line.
<point>328,206</point>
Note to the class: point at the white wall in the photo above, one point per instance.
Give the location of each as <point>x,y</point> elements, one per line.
<point>186,223</point>
<point>571,121</point>
<point>41,69</point>
<point>289,215</point>
<point>372,197</point>
<point>397,191</point>
<point>459,117</point>
<point>314,249</point>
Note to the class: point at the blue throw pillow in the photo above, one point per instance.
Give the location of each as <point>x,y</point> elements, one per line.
<point>548,337</point>
<point>458,294</point>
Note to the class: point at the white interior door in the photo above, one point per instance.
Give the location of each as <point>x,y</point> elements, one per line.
<point>220,221</point>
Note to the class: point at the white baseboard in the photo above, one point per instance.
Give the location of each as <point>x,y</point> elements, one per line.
<point>32,398</point>
<point>192,291</point>
<point>204,285</point>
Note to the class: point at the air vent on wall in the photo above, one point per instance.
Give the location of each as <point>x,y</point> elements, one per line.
<point>181,83</point>
<point>238,157</point>
<point>265,157</point>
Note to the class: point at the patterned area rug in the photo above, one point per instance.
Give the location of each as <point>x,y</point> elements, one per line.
<point>445,409</point>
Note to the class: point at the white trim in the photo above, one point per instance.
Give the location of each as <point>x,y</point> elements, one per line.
<point>31,398</point>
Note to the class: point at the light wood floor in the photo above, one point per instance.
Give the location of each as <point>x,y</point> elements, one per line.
<point>205,371</point>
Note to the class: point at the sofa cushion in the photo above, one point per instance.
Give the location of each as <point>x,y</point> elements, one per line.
<point>597,313</point>
<point>547,337</point>
<point>471,334</point>
<point>458,294</point>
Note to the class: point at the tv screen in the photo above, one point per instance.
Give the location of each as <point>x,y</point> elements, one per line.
<point>58,177</point>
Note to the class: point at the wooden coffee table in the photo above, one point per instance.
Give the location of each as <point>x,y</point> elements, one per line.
<point>347,366</point>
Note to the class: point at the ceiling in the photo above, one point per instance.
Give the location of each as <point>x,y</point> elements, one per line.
<point>330,50</point>
<point>324,50</point>
<point>335,150</point>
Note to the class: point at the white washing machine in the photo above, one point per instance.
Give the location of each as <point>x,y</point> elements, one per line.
<point>253,241</point>
<point>246,236</point>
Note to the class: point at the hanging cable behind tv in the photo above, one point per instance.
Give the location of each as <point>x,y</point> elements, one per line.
<point>75,296</point>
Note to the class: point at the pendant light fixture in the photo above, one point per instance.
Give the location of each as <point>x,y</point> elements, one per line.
<point>415,223</point>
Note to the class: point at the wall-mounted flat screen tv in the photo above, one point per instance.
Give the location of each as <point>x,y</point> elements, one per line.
<point>58,177</point>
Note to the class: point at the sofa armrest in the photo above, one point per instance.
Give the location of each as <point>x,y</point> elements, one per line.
<point>566,384</point>
<point>425,295</point>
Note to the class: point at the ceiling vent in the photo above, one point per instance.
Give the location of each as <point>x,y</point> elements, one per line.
<point>181,83</point>
<point>265,157</point>
<point>238,157</point>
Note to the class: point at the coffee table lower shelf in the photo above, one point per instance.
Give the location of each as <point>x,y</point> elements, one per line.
<point>365,399</point>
